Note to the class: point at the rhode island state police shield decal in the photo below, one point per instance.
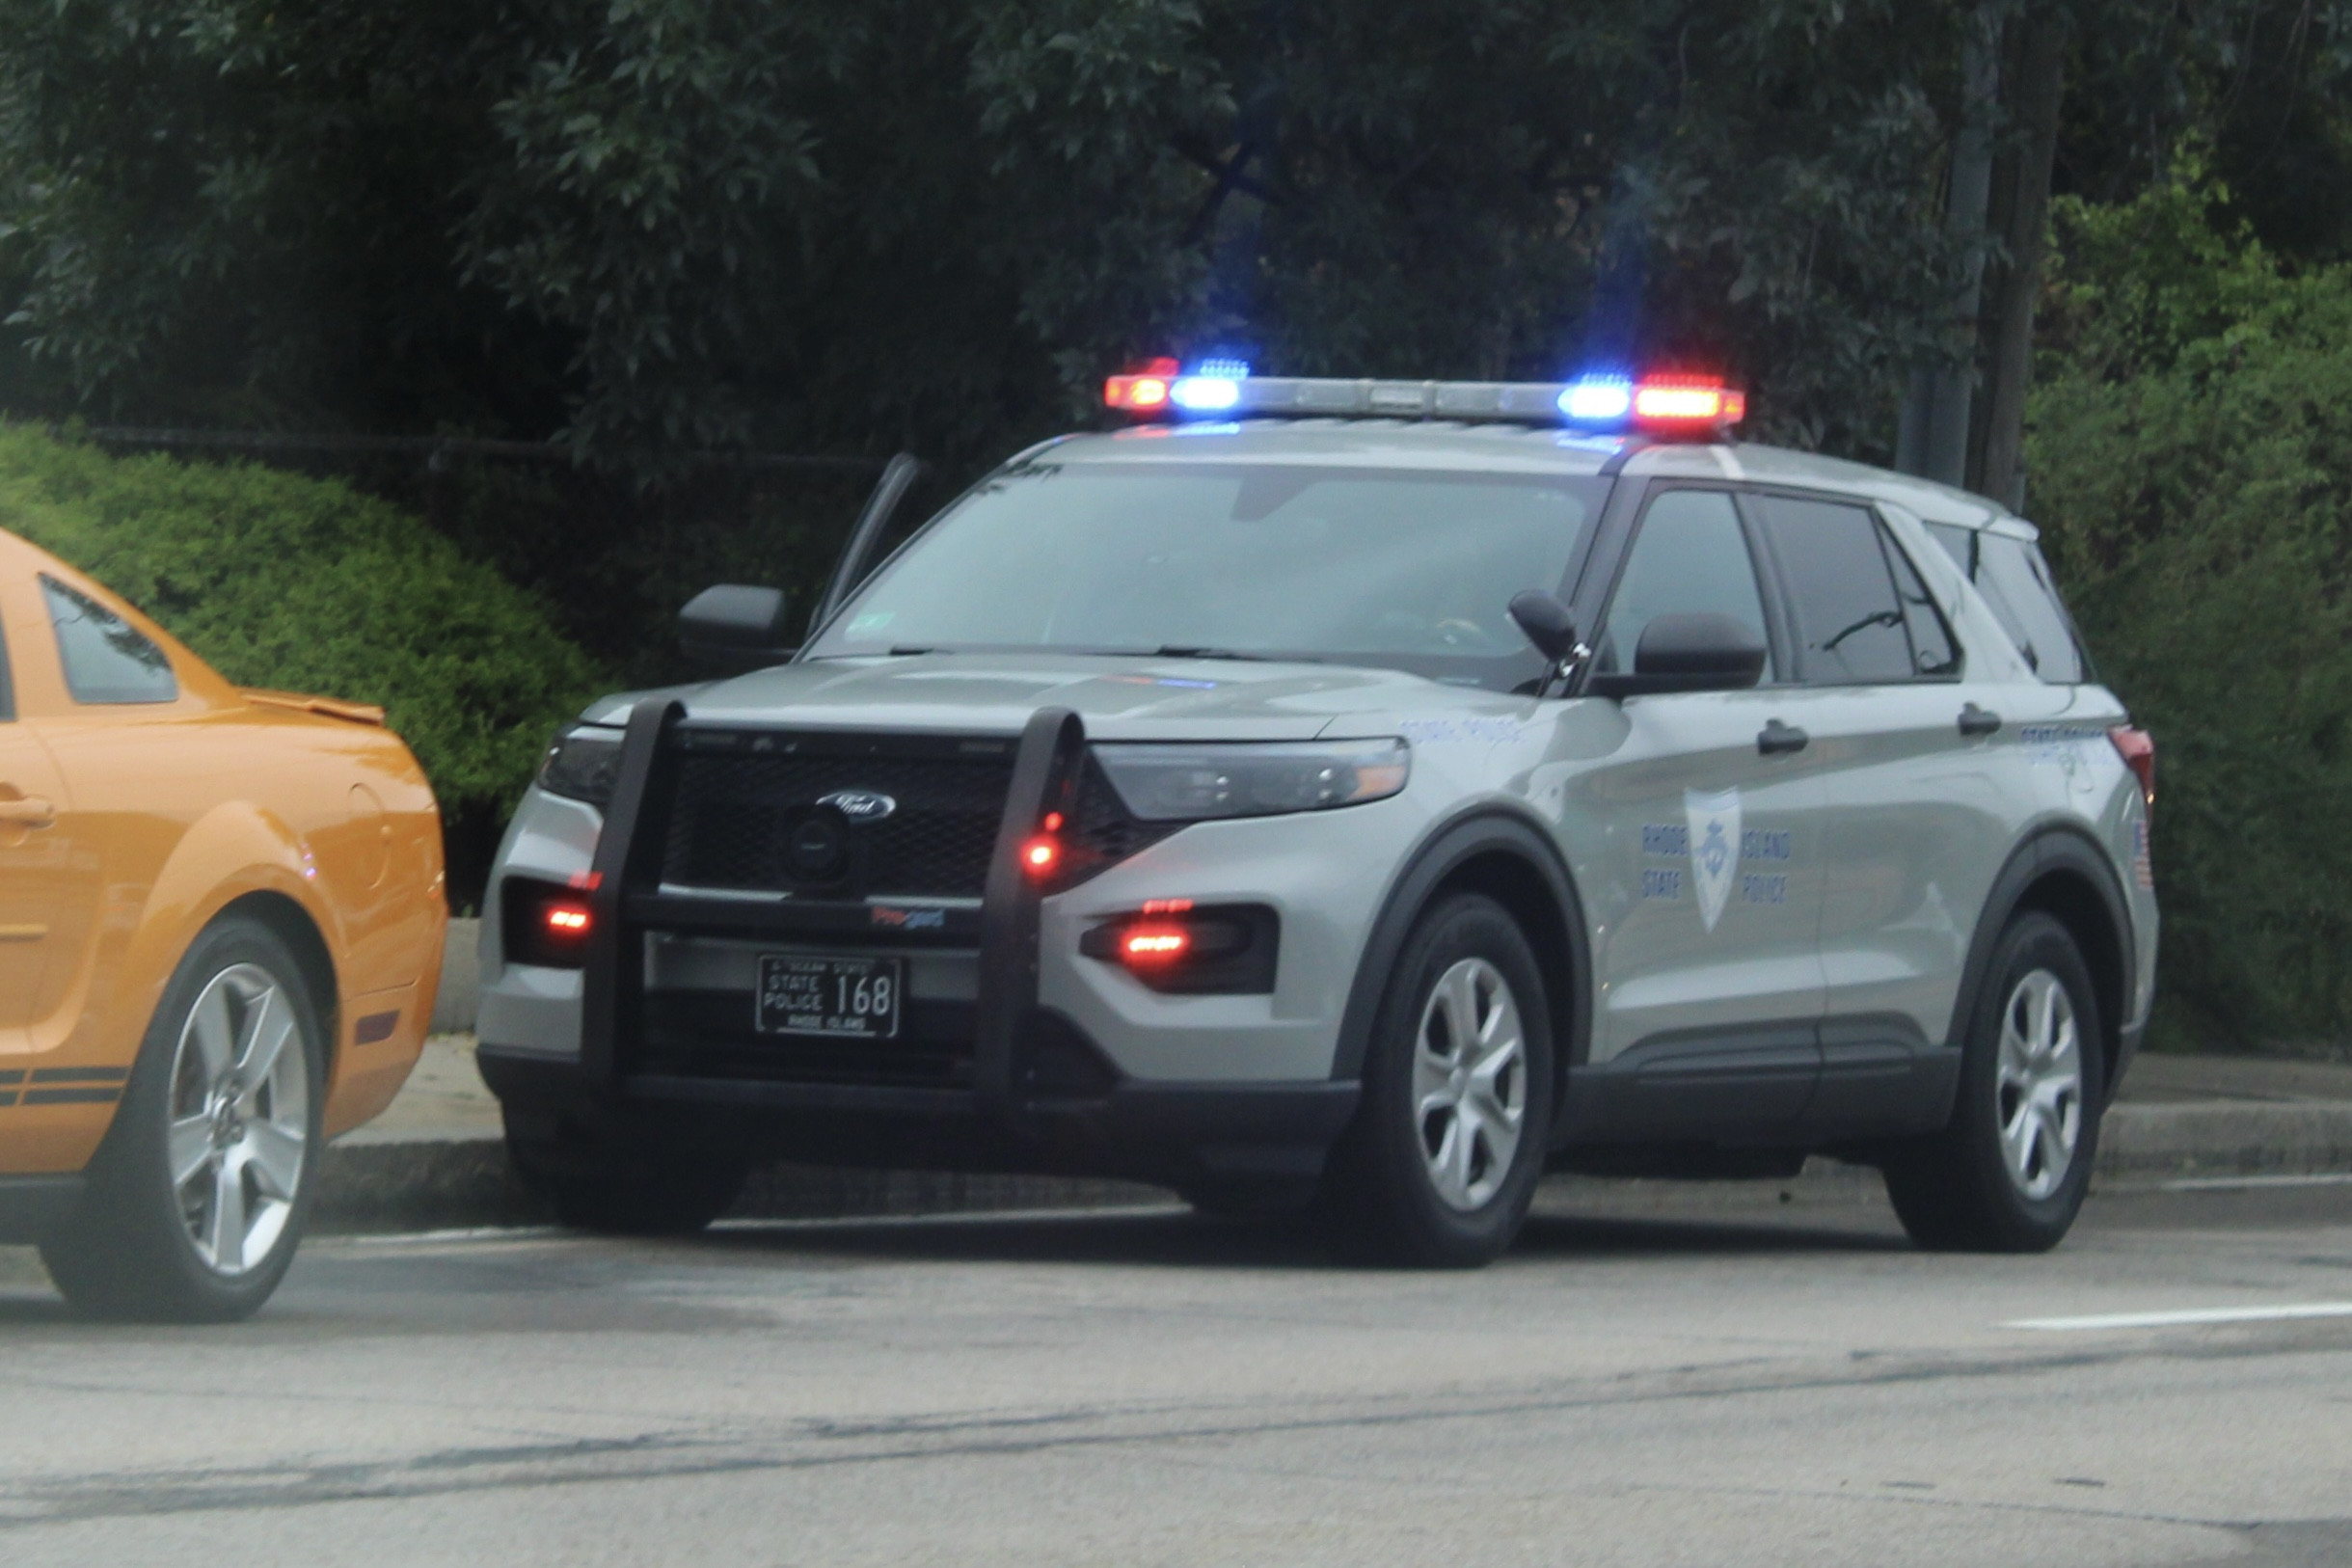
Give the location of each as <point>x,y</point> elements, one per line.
<point>1714,849</point>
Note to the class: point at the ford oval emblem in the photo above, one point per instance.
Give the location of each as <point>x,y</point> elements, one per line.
<point>860,805</point>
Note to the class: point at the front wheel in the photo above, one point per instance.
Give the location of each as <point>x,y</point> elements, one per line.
<point>2010,1171</point>
<point>1439,1165</point>
<point>196,1200</point>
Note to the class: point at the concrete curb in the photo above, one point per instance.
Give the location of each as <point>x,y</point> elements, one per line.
<point>464,1182</point>
<point>461,1183</point>
<point>2226,1138</point>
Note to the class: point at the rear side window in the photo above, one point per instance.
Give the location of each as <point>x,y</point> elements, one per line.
<point>107,660</point>
<point>1933,650</point>
<point>2016,583</point>
<point>1851,627</point>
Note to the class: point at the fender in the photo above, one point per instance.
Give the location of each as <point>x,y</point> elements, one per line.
<point>231,851</point>
<point>1484,828</point>
<point>2047,848</point>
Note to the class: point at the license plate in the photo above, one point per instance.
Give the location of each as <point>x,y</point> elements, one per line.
<point>810,993</point>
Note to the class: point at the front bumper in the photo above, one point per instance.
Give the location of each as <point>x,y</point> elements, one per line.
<point>999,1065</point>
<point>1175,1134</point>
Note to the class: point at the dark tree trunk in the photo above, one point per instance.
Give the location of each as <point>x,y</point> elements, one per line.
<point>2010,360</point>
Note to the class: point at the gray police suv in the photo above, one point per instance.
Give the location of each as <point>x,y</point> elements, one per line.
<point>1358,794</point>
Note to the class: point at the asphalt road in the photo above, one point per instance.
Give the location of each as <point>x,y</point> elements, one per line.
<point>1656,1376</point>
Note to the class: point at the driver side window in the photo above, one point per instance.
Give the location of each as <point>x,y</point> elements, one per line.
<point>1691,558</point>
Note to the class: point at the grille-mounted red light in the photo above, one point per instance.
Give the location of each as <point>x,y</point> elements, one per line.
<point>1040,854</point>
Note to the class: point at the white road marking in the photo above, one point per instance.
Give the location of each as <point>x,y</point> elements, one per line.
<point>976,1217</point>
<point>2256,1183</point>
<point>2186,1318</point>
<point>853,1222</point>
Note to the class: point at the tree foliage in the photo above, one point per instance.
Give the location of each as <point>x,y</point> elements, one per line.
<point>667,223</point>
<point>2191,444</point>
<point>281,580</point>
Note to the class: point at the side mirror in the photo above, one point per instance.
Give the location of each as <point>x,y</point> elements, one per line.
<point>734,627</point>
<point>1690,653</point>
<point>1547,623</point>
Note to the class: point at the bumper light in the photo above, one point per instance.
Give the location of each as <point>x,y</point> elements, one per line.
<point>545,924</point>
<point>1225,949</point>
<point>1199,783</point>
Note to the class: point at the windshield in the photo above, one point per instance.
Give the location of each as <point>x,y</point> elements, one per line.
<point>1410,569</point>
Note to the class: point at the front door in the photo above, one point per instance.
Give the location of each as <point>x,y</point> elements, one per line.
<point>1709,893</point>
<point>36,873</point>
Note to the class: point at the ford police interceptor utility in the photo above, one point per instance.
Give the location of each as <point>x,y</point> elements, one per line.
<point>1363,794</point>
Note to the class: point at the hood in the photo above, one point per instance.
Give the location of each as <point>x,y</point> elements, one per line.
<point>1119,698</point>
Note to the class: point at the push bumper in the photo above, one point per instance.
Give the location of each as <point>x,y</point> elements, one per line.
<point>1016,1086</point>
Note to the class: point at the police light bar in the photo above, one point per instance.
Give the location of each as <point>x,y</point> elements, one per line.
<point>1164,388</point>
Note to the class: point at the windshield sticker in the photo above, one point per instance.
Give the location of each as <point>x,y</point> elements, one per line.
<point>872,624</point>
<point>1715,848</point>
<point>1467,731</point>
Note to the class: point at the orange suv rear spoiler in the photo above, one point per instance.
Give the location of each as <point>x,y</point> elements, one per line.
<point>357,713</point>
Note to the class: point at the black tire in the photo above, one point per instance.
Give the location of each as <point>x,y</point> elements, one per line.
<point>130,1250</point>
<point>1961,1190</point>
<point>619,1190</point>
<point>1381,1196</point>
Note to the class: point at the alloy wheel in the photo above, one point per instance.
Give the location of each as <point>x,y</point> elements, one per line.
<point>1470,1083</point>
<point>2038,1084</point>
<point>240,1121</point>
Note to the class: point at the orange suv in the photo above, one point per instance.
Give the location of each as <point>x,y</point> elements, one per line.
<point>220,927</point>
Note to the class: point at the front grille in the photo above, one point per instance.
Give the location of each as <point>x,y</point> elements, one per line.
<point>736,810</point>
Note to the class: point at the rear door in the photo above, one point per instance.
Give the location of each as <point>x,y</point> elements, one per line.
<point>1710,985</point>
<point>1918,807</point>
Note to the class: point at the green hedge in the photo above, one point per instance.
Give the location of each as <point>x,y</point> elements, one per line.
<point>282,581</point>
<point>2191,463</point>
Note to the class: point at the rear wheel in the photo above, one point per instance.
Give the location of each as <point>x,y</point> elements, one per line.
<point>620,1189</point>
<point>2010,1171</point>
<point>1439,1165</point>
<point>196,1201</point>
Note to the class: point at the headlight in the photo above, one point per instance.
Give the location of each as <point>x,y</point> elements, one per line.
<point>582,764</point>
<point>1193,783</point>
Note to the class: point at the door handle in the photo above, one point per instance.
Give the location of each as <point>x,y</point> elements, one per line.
<point>1975,721</point>
<point>1776,738</point>
<point>29,811</point>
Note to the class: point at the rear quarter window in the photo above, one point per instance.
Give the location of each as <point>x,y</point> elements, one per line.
<point>2016,583</point>
<point>107,660</point>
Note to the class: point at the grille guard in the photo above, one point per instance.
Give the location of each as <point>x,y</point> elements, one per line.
<point>625,880</point>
